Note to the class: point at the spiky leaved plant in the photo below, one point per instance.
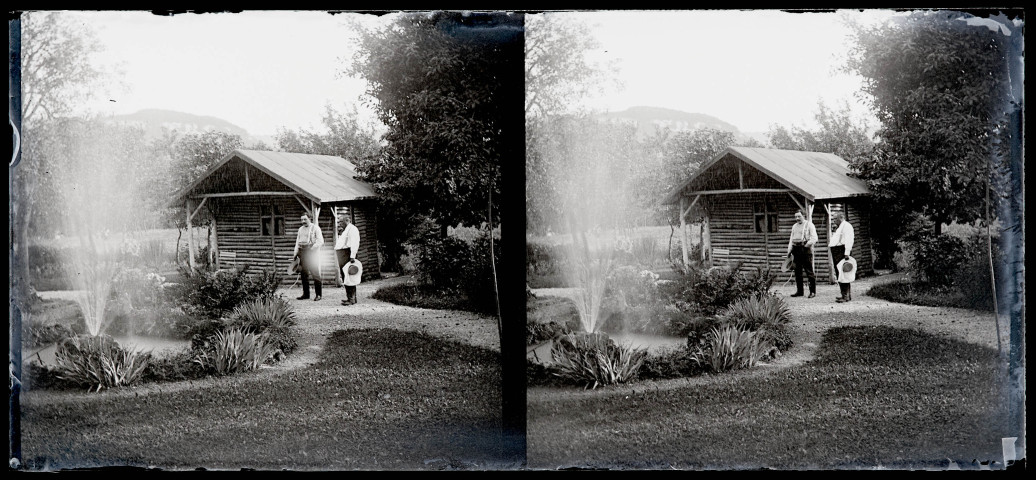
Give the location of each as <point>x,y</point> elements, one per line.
<point>236,350</point>
<point>99,362</point>
<point>594,359</point>
<point>734,348</point>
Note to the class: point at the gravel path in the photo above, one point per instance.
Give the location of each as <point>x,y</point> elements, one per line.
<point>315,321</point>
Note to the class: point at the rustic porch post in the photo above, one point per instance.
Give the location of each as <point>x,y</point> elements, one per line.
<point>830,257</point>
<point>190,235</point>
<point>809,216</point>
<point>334,239</point>
<point>214,244</point>
<point>683,231</point>
<point>706,240</point>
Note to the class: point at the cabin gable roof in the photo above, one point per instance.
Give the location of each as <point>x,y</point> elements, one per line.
<point>321,178</point>
<point>815,175</point>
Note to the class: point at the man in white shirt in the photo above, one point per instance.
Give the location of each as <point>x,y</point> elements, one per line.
<point>346,248</point>
<point>800,247</point>
<point>841,246</point>
<point>307,248</point>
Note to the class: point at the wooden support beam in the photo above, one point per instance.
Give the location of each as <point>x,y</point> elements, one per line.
<point>830,256</point>
<point>741,190</point>
<point>334,239</point>
<point>190,236</point>
<point>706,240</point>
<point>248,184</point>
<point>796,201</point>
<point>809,217</point>
<point>190,214</point>
<point>741,175</point>
<point>684,212</point>
<point>304,206</point>
<point>244,194</point>
<point>683,230</point>
<point>214,250</point>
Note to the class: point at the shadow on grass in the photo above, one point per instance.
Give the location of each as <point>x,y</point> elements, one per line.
<point>377,399</point>
<point>914,293</point>
<point>424,296</point>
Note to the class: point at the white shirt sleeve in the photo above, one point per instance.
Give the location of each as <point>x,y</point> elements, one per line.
<point>354,239</point>
<point>848,236</point>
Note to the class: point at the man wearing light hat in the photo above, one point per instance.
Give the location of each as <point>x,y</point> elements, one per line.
<point>841,246</point>
<point>346,247</point>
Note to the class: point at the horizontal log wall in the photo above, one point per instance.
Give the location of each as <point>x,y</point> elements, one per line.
<point>238,230</point>
<point>732,230</point>
<point>734,239</point>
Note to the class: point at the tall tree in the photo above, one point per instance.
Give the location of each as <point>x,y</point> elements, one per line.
<point>938,86</point>
<point>344,136</point>
<point>838,132</point>
<point>440,81</point>
<point>195,153</point>
<point>558,71</point>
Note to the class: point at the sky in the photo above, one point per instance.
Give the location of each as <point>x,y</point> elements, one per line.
<point>753,68</point>
<point>258,70</point>
<point>277,69</point>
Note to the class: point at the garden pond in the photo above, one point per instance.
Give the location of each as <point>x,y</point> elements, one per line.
<point>158,346</point>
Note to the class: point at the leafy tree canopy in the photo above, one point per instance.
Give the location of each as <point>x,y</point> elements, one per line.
<point>839,132</point>
<point>443,82</point>
<point>345,137</point>
<point>939,88</point>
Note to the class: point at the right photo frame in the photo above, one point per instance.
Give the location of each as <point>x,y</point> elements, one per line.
<point>780,240</point>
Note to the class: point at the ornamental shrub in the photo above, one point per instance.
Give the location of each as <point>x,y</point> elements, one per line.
<point>215,294</point>
<point>707,291</point>
<point>632,302</point>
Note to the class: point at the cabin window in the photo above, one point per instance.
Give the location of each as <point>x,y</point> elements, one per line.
<point>271,220</point>
<point>765,218</point>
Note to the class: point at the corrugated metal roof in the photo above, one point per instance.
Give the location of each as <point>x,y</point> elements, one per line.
<point>815,175</point>
<point>321,178</point>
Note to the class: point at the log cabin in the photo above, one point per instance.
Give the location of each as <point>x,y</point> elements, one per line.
<point>253,201</point>
<point>745,201</point>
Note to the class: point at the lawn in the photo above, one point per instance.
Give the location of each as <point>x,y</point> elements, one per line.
<point>872,397</point>
<point>377,399</point>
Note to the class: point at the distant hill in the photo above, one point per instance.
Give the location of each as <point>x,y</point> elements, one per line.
<point>648,119</point>
<point>153,120</point>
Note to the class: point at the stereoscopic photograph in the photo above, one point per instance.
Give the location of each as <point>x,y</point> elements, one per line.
<point>444,240</point>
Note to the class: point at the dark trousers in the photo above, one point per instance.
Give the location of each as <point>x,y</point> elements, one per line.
<point>803,262</point>
<point>308,258</point>
<point>837,254</point>
<point>343,257</point>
